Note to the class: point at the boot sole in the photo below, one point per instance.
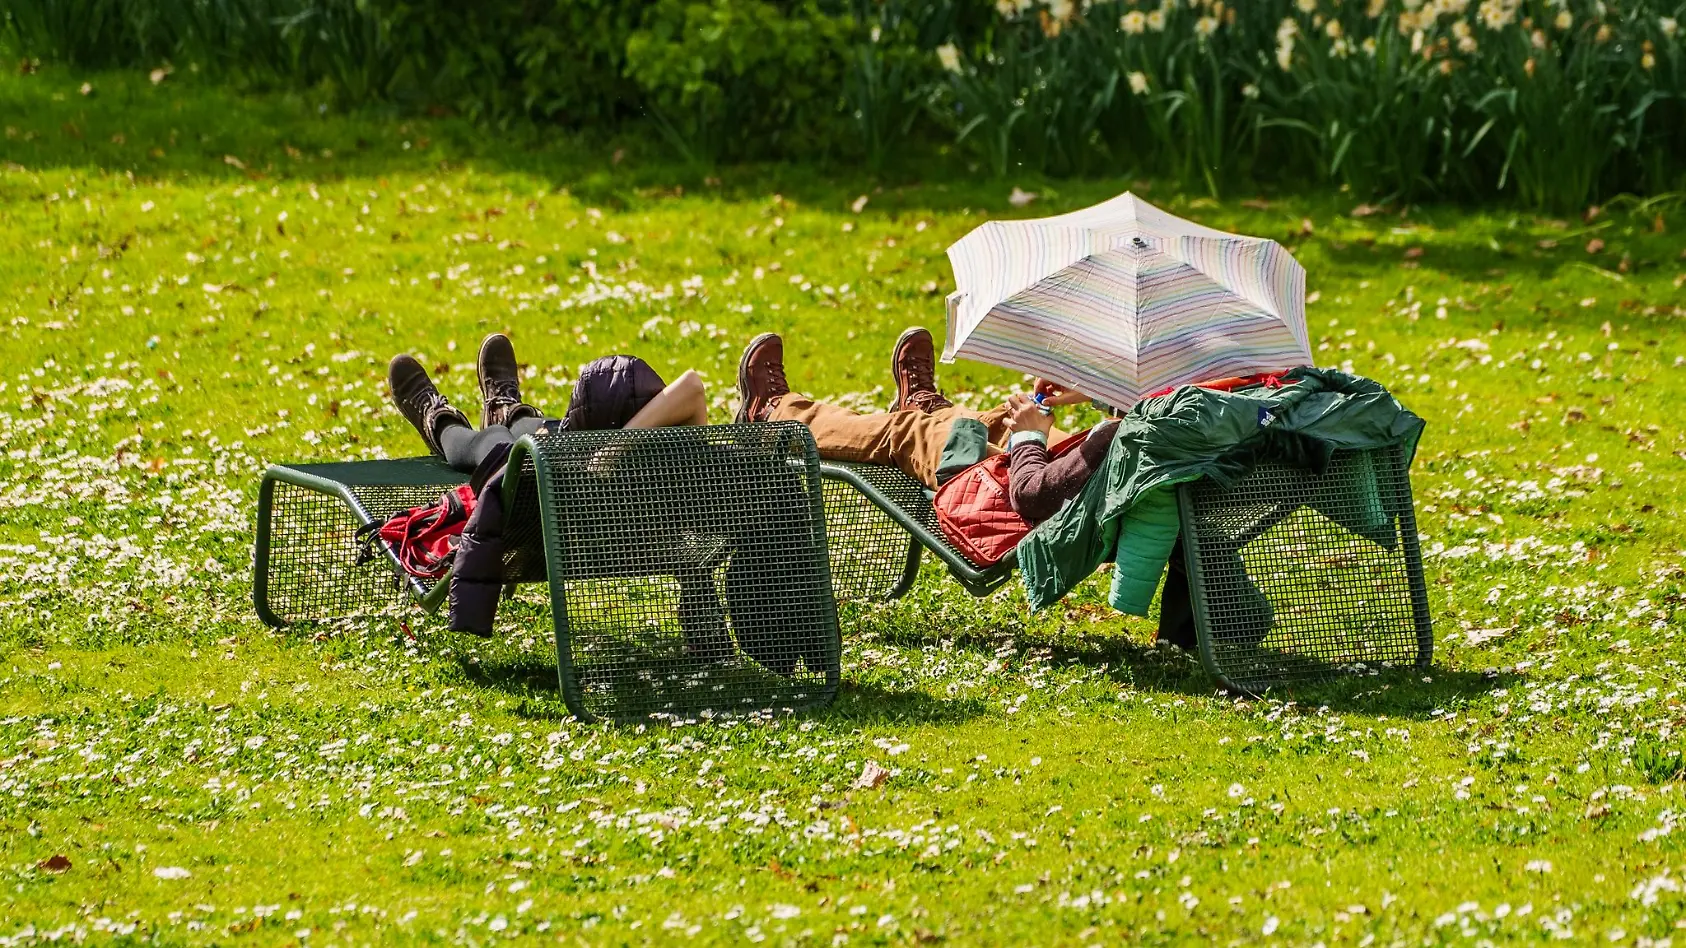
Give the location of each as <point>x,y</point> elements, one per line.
<point>742,416</point>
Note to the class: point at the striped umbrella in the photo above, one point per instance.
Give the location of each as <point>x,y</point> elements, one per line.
<point>1122,299</point>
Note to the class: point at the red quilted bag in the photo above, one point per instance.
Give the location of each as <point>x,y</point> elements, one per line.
<point>975,512</point>
<point>424,539</point>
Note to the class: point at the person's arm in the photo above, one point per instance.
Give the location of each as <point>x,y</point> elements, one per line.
<point>1038,484</point>
<point>682,402</point>
<point>1028,459</point>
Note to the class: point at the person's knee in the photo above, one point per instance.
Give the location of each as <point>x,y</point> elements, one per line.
<point>689,384</point>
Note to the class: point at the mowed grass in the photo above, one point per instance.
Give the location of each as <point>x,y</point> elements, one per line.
<point>197,284</point>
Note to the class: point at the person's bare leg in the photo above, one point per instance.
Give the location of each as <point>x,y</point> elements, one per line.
<point>683,402</point>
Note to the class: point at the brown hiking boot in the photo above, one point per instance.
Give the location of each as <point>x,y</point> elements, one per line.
<point>500,384</point>
<point>761,377</point>
<point>421,403</point>
<point>914,365</point>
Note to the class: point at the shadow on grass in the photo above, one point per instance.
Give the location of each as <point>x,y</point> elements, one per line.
<point>870,704</point>
<point>1395,692</point>
<point>532,679</point>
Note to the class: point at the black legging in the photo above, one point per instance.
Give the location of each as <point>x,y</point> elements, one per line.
<point>465,448</point>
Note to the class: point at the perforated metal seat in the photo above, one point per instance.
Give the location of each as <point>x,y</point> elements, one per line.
<point>1296,575</point>
<point>688,567</point>
<point>306,559</point>
<point>879,519</point>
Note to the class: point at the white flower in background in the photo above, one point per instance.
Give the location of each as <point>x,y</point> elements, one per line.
<point>1668,25</point>
<point>1647,62</point>
<point>1538,39</point>
<point>171,872</point>
<point>1249,91</point>
<point>1466,44</point>
<point>1061,10</point>
<point>1206,26</point>
<point>1333,29</point>
<point>1156,21</point>
<point>1306,6</point>
<point>1133,22</point>
<point>949,56</point>
<point>1285,43</point>
<point>1497,14</point>
<point>1138,83</point>
<point>1369,46</point>
<point>1565,19</point>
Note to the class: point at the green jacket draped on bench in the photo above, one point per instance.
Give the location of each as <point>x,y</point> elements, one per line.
<point>1128,510</point>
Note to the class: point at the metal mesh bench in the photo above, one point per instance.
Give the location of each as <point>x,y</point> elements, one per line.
<point>687,567</point>
<point>1293,576</point>
<point>879,519</point>
<point>1297,576</point>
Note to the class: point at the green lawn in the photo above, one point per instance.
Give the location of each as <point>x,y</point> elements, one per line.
<point>197,284</point>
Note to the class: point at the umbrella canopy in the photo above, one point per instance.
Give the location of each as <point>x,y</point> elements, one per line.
<point>1122,299</point>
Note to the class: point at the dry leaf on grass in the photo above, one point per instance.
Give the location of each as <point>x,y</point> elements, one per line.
<point>872,776</point>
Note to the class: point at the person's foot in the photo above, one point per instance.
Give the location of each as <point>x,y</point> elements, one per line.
<point>500,384</point>
<point>761,377</point>
<point>914,365</point>
<point>421,403</point>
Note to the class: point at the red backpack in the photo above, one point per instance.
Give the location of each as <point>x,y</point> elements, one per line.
<point>423,539</point>
<point>975,510</point>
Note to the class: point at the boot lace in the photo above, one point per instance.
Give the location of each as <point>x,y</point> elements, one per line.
<point>772,380</point>
<point>922,383</point>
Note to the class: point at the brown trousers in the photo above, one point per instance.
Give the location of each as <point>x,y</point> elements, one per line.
<point>910,440</point>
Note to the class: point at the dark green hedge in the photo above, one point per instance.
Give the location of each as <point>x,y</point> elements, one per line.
<point>1547,103</point>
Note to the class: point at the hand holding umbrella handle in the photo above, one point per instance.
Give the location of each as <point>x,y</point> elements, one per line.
<point>1053,395</point>
<point>1024,414</point>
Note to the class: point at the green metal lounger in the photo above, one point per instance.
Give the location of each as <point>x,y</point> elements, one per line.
<point>1293,576</point>
<point>687,567</point>
<point>879,519</point>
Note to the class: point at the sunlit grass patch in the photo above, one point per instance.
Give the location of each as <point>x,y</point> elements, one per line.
<point>171,768</point>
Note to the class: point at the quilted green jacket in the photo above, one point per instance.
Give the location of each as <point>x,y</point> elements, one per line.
<point>1127,511</point>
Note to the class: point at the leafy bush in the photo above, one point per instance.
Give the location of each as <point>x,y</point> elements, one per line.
<point>1547,103</point>
<point>562,60</point>
<point>735,78</point>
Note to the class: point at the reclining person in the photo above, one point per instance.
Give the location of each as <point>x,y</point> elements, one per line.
<point>919,436</point>
<point>618,391</point>
<point>1109,497</point>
